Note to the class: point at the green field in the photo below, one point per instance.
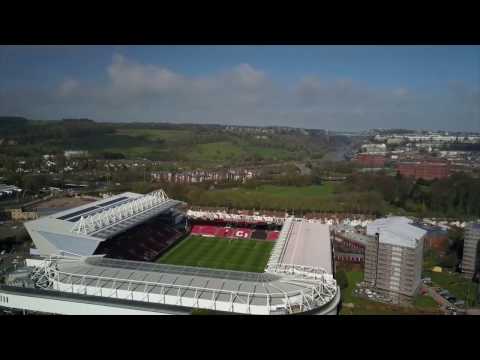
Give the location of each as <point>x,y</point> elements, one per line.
<point>228,254</point>
<point>456,284</point>
<point>274,192</point>
<point>217,151</point>
<point>155,134</point>
<point>227,151</point>
<point>270,197</point>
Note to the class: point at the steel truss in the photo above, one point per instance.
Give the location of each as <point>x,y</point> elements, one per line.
<point>96,222</point>
<point>317,288</point>
<point>280,246</point>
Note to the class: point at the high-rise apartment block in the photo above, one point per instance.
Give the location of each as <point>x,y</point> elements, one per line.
<point>471,251</point>
<point>393,256</point>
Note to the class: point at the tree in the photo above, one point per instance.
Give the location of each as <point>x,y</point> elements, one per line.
<point>342,279</point>
<point>455,239</point>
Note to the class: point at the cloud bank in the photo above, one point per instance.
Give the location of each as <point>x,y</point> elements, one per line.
<point>244,95</point>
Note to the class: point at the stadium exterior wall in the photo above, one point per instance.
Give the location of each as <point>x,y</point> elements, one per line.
<point>165,299</point>
<point>40,301</point>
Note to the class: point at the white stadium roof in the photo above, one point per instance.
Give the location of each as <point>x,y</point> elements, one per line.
<point>284,289</point>
<point>80,230</point>
<point>303,242</point>
<point>396,230</point>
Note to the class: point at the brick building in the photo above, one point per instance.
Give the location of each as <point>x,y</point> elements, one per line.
<point>424,170</point>
<point>371,160</point>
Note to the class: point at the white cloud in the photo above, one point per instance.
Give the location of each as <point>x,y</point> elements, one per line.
<point>67,87</point>
<point>246,76</point>
<point>245,95</point>
<point>131,77</point>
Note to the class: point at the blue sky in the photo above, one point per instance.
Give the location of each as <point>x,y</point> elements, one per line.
<point>333,87</point>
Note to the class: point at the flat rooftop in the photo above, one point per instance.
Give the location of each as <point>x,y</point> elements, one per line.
<point>309,245</point>
<point>396,230</point>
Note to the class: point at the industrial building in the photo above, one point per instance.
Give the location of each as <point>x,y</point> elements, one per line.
<point>393,257</point>
<point>471,252</point>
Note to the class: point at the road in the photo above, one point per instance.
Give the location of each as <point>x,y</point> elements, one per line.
<point>444,303</point>
<point>472,311</point>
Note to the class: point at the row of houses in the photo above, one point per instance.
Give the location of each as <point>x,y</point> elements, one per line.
<point>199,176</point>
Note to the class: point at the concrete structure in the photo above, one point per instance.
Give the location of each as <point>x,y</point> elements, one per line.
<point>471,251</point>
<point>393,257</point>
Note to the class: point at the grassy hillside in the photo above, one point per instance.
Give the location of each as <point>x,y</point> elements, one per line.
<point>325,197</point>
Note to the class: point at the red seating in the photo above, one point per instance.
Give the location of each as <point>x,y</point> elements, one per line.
<point>273,235</point>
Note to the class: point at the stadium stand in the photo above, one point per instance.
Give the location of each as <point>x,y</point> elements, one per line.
<point>234,232</point>
<point>141,243</point>
<point>273,235</point>
<point>259,234</point>
<point>205,230</point>
<point>242,233</point>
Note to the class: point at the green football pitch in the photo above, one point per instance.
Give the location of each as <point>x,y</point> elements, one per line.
<point>218,253</point>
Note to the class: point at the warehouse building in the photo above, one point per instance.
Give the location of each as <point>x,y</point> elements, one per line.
<point>471,250</point>
<point>393,257</point>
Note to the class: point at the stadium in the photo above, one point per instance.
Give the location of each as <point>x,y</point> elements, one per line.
<point>146,254</point>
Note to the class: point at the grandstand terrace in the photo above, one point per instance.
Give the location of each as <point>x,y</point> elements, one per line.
<point>234,232</point>
<point>303,242</point>
<point>80,231</point>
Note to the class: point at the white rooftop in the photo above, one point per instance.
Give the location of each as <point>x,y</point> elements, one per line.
<point>396,230</point>
<point>80,230</point>
<point>303,242</point>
